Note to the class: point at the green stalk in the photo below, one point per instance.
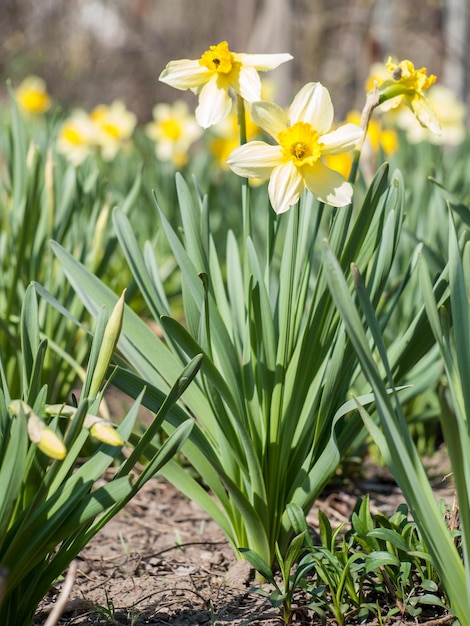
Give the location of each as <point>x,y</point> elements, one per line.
<point>244,181</point>
<point>275,474</point>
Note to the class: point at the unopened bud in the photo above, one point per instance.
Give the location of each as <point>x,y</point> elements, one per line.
<point>103,431</point>
<point>110,339</point>
<point>45,438</point>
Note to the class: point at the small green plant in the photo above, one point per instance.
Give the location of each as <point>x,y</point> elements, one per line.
<point>376,568</point>
<point>54,494</point>
<point>283,592</point>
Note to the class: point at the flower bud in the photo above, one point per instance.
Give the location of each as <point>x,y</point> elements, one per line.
<point>45,438</point>
<point>110,339</point>
<point>103,431</point>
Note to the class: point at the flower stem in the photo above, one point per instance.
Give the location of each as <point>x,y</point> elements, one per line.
<point>371,102</point>
<point>245,187</point>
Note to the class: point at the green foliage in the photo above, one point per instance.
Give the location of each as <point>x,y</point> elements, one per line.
<point>378,568</point>
<point>393,437</point>
<point>50,509</point>
<point>42,197</point>
<point>277,368</point>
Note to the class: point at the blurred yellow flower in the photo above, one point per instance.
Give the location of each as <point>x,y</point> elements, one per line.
<point>226,137</point>
<point>304,138</point>
<point>341,163</point>
<point>218,70</point>
<point>406,85</point>
<point>77,137</point>
<point>115,125</point>
<point>32,97</point>
<point>174,129</point>
<point>378,137</point>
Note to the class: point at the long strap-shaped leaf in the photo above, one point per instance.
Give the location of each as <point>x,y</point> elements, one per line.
<point>397,446</point>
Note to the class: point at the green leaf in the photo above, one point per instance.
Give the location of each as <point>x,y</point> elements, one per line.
<point>260,565</point>
<point>376,560</point>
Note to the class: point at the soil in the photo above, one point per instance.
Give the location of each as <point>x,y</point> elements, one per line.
<point>162,561</point>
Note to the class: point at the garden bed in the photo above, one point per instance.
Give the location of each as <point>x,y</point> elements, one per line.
<point>163,561</point>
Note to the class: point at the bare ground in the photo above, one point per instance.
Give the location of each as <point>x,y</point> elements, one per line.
<point>162,561</point>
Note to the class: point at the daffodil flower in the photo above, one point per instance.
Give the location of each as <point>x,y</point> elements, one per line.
<point>407,85</point>
<point>174,129</point>
<point>303,140</point>
<point>77,137</point>
<point>218,70</point>
<point>32,96</point>
<point>115,125</point>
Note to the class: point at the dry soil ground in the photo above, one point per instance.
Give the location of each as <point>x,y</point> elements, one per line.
<point>162,561</point>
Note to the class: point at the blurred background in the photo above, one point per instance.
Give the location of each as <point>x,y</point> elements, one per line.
<point>94,51</point>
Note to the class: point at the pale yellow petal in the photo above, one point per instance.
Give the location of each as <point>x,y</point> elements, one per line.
<point>327,185</point>
<point>263,62</point>
<point>255,159</point>
<point>214,104</point>
<point>249,84</point>
<point>312,105</point>
<point>185,74</point>
<point>270,117</point>
<point>342,139</point>
<point>285,186</point>
<point>425,114</point>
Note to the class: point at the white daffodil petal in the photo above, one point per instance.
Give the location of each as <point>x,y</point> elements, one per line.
<point>425,114</point>
<point>184,74</point>
<point>214,104</point>
<point>249,84</point>
<point>327,185</point>
<point>313,105</point>
<point>342,139</point>
<point>285,186</point>
<point>255,159</point>
<point>263,62</point>
<point>270,117</point>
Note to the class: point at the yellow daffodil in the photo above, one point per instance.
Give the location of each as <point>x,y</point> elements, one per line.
<point>449,111</point>
<point>77,137</point>
<point>173,129</point>
<point>297,162</point>
<point>218,70</point>
<point>406,85</point>
<point>115,125</point>
<point>32,97</point>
